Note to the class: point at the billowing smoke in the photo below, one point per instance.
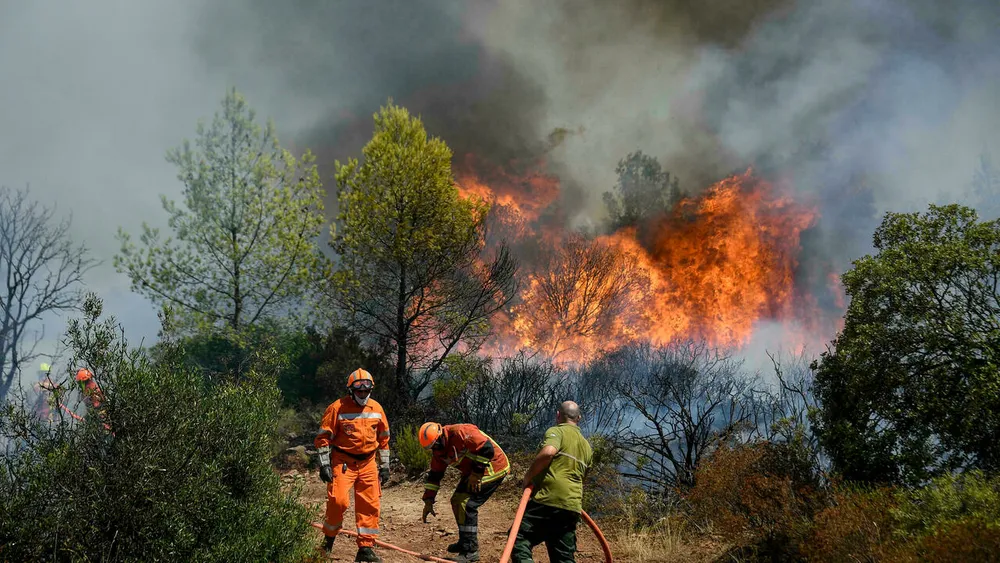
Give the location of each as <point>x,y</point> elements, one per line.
<point>863,106</point>
<point>894,96</point>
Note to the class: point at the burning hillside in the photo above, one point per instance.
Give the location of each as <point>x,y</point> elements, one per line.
<point>711,268</point>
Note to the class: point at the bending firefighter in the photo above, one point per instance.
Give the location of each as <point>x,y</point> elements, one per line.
<point>354,429</point>
<point>483,466</point>
<point>557,499</point>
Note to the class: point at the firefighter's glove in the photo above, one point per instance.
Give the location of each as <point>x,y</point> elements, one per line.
<point>383,475</point>
<point>475,482</point>
<point>325,473</point>
<point>428,509</point>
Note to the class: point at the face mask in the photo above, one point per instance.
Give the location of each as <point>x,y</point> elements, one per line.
<point>361,400</point>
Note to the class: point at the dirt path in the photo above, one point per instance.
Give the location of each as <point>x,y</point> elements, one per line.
<point>400,521</point>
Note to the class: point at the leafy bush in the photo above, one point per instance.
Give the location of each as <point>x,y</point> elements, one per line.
<point>858,526</point>
<point>180,474</point>
<point>415,459</point>
<point>950,499</point>
<point>969,539</point>
<point>450,391</point>
<point>756,496</point>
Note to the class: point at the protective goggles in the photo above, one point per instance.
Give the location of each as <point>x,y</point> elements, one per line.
<point>362,385</point>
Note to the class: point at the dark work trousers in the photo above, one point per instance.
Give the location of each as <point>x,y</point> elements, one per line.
<point>465,505</point>
<point>554,526</point>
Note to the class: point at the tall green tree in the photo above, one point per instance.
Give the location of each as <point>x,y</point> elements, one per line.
<point>643,191</point>
<point>414,271</point>
<point>245,236</point>
<point>911,386</point>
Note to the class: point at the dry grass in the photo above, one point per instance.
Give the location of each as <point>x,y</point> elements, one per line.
<point>668,539</point>
<point>662,542</point>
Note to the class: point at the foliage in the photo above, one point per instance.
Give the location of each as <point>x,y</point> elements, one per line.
<point>516,401</point>
<point>642,192</point>
<point>610,495</point>
<point>40,270</point>
<point>760,495</point>
<point>911,386</point>
<point>181,473</point>
<point>321,373</point>
<point>952,518</point>
<point>414,457</point>
<point>963,540</point>
<point>311,365</point>
<point>412,268</point>
<point>948,500</point>
<point>857,526</point>
<point>451,388</point>
<point>245,234</point>
<point>218,354</point>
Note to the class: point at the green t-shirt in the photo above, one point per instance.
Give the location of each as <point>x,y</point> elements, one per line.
<point>561,484</point>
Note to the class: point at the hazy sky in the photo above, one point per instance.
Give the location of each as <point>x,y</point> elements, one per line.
<point>902,95</point>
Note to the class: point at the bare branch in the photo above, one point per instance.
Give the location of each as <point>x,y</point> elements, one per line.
<point>39,271</point>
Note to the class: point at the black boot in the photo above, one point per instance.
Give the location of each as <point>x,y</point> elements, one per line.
<point>367,554</point>
<point>467,547</point>
<point>328,544</point>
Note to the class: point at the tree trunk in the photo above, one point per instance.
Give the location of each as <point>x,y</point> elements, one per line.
<point>402,384</point>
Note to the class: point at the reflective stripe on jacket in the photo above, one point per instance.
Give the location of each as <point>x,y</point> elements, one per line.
<point>470,449</point>
<point>354,429</point>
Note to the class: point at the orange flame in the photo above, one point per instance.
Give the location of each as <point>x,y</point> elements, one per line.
<point>719,264</point>
<point>731,263</point>
<point>526,196</point>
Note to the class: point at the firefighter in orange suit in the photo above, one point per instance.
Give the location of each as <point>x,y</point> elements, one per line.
<point>91,392</point>
<point>353,447</point>
<point>483,466</point>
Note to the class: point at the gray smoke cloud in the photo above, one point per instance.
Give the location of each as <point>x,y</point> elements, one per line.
<point>862,105</point>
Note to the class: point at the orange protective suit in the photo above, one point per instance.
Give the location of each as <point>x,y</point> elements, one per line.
<point>473,453</point>
<point>351,435</point>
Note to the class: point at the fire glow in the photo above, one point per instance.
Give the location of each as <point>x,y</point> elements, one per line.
<point>710,270</point>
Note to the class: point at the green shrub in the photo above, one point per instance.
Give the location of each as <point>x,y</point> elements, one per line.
<point>415,459</point>
<point>971,496</point>
<point>182,473</point>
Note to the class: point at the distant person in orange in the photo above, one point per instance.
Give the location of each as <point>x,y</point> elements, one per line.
<point>91,392</point>
<point>354,429</point>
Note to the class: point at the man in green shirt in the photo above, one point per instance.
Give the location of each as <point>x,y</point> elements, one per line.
<point>557,474</point>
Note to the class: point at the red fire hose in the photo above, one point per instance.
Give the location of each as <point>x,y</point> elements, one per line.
<point>80,418</point>
<point>509,548</point>
<point>71,413</point>
<point>390,546</point>
<point>600,537</point>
